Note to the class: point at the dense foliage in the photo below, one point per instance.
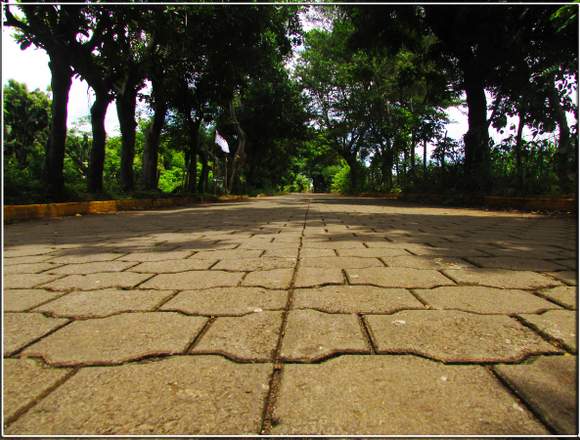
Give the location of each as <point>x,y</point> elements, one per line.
<point>358,103</point>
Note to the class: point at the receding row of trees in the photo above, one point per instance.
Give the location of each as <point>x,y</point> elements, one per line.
<point>356,110</point>
<point>203,64</point>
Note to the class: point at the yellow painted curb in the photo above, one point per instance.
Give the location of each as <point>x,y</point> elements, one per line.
<point>50,210</point>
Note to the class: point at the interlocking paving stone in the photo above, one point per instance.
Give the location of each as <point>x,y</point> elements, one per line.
<point>118,338</point>
<point>274,279</point>
<point>455,336</point>
<point>227,253</point>
<point>508,279</point>
<point>157,256</point>
<point>451,251</point>
<point>21,329</point>
<point>484,300</point>
<point>514,263</point>
<point>87,268</point>
<point>25,380</point>
<point>26,251</point>
<point>565,295</point>
<point>558,324</point>
<point>34,259</point>
<point>173,266</point>
<point>250,337</point>
<point>318,276</point>
<point>85,257</point>
<point>568,277</point>
<point>397,277</point>
<point>568,263</point>
<point>312,335</point>
<point>372,253</point>
<point>549,385</point>
<point>333,244</point>
<point>19,300</point>
<point>287,252</point>
<point>185,395</point>
<point>29,268</point>
<point>250,264</point>
<point>201,279</point>
<point>426,262</point>
<point>396,395</point>
<point>105,280</point>
<point>355,299</point>
<point>340,262</point>
<point>104,302</point>
<point>227,301</point>
<point>26,280</point>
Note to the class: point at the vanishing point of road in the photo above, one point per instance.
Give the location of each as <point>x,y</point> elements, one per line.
<point>295,315</point>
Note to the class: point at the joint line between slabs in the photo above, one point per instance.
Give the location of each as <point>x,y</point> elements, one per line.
<point>271,397</point>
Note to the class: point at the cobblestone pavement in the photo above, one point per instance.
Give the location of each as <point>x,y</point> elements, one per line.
<point>303,314</point>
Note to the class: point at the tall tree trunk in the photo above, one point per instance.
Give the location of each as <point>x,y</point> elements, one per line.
<point>97,157</point>
<point>191,183</point>
<point>518,151</point>
<point>387,165</point>
<point>477,164</point>
<point>424,159</point>
<point>203,179</point>
<point>240,150</point>
<point>151,147</point>
<point>354,173</point>
<point>412,170</point>
<point>126,102</point>
<point>564,150</point>
<point>55,147</point>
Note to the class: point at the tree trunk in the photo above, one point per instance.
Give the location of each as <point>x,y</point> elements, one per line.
<point>240,150</point>
<point>387,165</point>
<point>191,183</point>
<point>55,147</point>
<point>518,151</point>
<point>97,157</point>
<point>563,153</point>
<point>425,159</point>
<point>477,166</point>
<point>151,147</point>
<point>203,179</point>
<point>412,170</point>
<point>126,103</point>
<point>354,173</point>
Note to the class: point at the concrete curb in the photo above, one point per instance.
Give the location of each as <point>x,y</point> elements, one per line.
<point>51,210</point>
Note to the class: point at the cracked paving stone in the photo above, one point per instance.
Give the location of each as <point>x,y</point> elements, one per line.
<point>19,300</point>
<point>565,295</point>
<point>25,380</point>
<point>558,324</point>
<point>173,266</point>
<point>227,253</point>
<point>94,281</point>
<point>118,338</point>
<point>20,329</point>
<point>317,276</point>
<point>340,262</point>
<point>157,256</point>
<point>506,279</point>
<point>426,262</point>
<point>201,279</point>
<point>567,276</point>
<point>227,301</point>
<point>514,263</point>
<point>336,244</point>
<point>155,398</point>
<point>88,268</point>
<point>397,277</point>
<point>312,335</point>
<point>26,280</point>
<point>251,264</point>
<point>548,385</point>
<point>454,336</point>
<point>355,299</point>
<point>274,279</point>
<point>396,395</point>
<point>104,302</point>
<point>481,299</point>
<point>250,337</point>
<point>85,257</point>
<point>372,253</point>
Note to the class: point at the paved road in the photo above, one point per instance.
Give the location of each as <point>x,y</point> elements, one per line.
<point>304,314</point>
